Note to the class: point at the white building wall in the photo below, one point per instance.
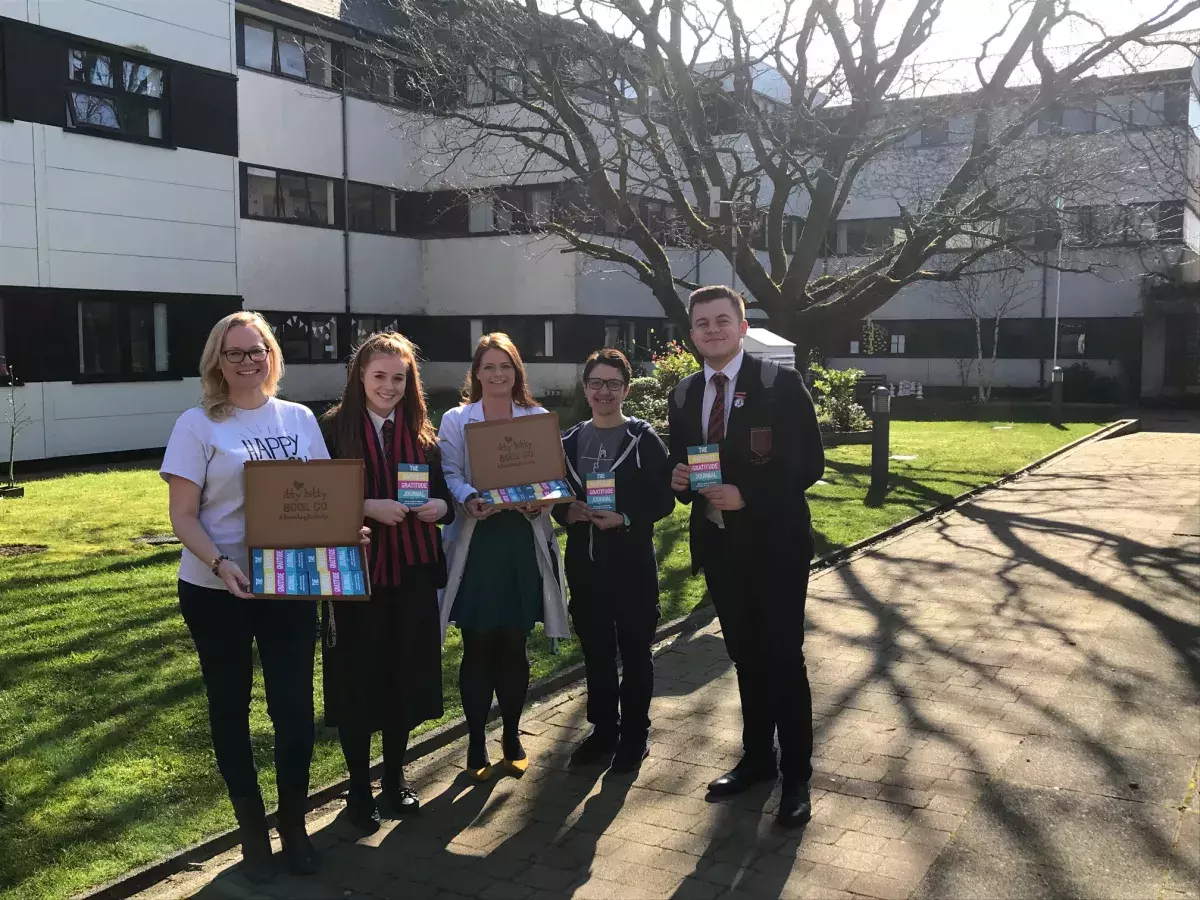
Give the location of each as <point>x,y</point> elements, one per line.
<point>75,419</point>
<point>288,125</point>
<point>386,274</point>
<point>524,274</point>
<point>311,382</point>
<point>290,267</point>
<point>113,215</point>
<point>192,31</point>
<point>18,212</point>
<point>383,146</point>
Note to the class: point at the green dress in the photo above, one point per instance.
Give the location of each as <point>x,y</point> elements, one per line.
<point>501,585</point>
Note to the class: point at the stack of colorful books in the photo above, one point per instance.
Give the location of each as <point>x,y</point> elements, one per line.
<point>528,493</point>
<point>314,571</point>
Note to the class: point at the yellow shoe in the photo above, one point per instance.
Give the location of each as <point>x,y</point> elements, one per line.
<point>479,775</point>
<point>516,767</point>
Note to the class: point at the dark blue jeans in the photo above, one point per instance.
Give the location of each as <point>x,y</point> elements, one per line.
<point>224,630</point>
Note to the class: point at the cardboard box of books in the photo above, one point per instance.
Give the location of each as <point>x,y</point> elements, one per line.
<point>518,461</point>
<point>302,529</point>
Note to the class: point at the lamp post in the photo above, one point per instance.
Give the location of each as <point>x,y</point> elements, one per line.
<point>881,414</point>
<point>1056,396</point>
<point>734,234</point>
<point>1056,373</point>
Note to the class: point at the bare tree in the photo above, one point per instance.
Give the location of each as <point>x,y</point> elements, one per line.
<point>14,418</point>
<point>987,298</point>
<point>798,111</point>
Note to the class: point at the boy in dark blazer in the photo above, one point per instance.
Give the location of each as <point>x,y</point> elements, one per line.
<point>752,536</point>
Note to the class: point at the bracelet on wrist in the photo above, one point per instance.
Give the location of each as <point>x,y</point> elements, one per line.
<point>216,564</point>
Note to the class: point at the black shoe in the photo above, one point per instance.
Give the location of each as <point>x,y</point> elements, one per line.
<point>299,854</point>
<point>597,747</point>
<point>257,863</point>
<point>629,757</point>
<point>795,804</point>
<point>401,798</point>
<point>743,776</point>
<point>361,811</point>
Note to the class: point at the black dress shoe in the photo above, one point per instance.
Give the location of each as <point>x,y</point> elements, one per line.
<point>742,777</point>
<point>596,748</point>
<point>361,812</point>
<point>795,804</point>
<point>629,757</point>
<point>402,798</point>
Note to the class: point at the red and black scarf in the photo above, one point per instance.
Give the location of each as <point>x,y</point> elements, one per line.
<point>412,542</point>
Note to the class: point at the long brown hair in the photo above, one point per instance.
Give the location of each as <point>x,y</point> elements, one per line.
<point>343,422</point>
<point>473,388</point>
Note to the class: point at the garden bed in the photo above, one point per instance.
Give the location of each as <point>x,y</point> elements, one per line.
<point>836,438</point>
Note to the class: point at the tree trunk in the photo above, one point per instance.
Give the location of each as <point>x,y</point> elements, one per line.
<point>983,397</point>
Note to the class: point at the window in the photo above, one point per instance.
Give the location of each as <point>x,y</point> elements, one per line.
<point>372,208</point>
<point>122,338</point>
<point>854,348</point>
<point>935,133</point>
<point>866,236</point>
<point>1169,221</point>
<point>1072,341</point>
<point>289,197</point>
<point>115,94</point>
<point>533,336</point>
<point>619,335</point>
<point>362,327</point>
<point>1175,103</point>
<point>306,337</point>
<point>897,343</point>
<point>281,51</point>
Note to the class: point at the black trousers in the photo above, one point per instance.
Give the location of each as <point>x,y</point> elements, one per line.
<point>224,629</point>
<point>762,618</point>
<point>615,610</point>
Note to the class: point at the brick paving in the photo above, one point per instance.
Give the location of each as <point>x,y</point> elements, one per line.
<point>1007,704</point>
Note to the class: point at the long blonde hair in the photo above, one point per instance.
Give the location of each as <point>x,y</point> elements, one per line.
<point>214,391</point>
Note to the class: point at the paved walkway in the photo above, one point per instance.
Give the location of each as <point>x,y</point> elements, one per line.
<point>1007,702</point>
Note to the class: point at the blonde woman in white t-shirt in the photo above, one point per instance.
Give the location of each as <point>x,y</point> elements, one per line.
<point>241,419</point>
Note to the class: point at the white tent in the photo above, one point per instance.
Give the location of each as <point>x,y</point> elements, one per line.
<point>765,344</point>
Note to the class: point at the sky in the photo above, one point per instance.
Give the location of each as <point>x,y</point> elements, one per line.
<point>960,29</point>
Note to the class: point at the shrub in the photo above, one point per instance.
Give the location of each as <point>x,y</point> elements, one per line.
<point>837,410</point>
<point>647,401</point>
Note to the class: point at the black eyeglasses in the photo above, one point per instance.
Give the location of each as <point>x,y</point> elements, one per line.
<point>256,354</point>
<point>613,384</point>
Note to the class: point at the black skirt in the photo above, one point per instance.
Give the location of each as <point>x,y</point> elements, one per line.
<point>382,660</point>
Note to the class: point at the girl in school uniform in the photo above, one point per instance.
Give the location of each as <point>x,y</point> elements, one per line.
<point>382,658</point>
<point>505,568</point>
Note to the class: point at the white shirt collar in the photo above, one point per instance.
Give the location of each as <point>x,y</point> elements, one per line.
<point>731,368</point>
<point>378,421</point>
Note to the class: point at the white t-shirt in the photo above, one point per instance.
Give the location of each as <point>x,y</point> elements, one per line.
<point>211,454</point>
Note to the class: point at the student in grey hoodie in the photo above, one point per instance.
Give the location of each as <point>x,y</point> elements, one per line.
<point>611,569</point>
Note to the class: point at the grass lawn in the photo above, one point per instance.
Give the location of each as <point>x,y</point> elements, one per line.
<point>104,748</point>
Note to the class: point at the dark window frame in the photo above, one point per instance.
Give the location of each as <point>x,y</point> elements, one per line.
<point>124,323</point>
<point>332,61</point>
<point>936,133</point>
<point>359,334</point>
<point>121,98</point>
<point>278,320</point>
<point>376,190</point>
<point>337,210</point>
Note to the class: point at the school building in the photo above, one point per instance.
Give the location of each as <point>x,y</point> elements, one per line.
<point>163,164</point>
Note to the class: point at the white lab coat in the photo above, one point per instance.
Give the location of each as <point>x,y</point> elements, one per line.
<point>457,535</point>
